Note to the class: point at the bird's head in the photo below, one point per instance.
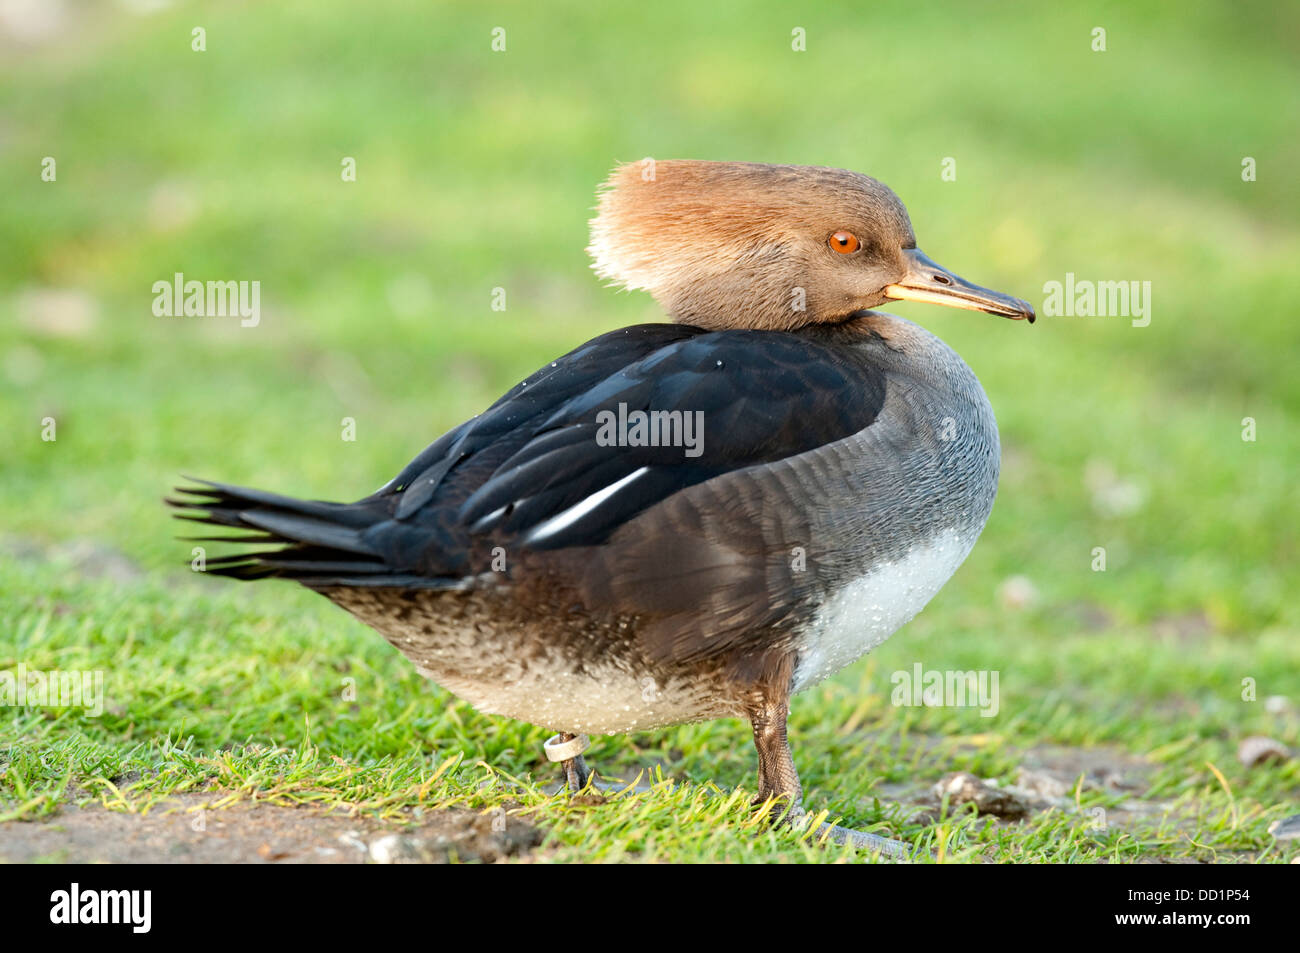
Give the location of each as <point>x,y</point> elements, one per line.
<point>776,247</point>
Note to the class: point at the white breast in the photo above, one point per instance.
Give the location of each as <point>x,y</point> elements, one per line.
<point>874,606</point>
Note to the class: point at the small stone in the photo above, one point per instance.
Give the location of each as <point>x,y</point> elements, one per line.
<point>1257,750</point>
<point>57,312</point>
<point>1286,829</point>
<point>33,21</point>
<point>399,849</point>
<point>1277,704</point>
<point>962,787</point>
<point>350,839</point>
<point>1041,783</point>
<point>1017,593</point>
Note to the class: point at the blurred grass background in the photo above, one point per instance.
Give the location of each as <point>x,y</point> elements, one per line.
<point>476,170</point>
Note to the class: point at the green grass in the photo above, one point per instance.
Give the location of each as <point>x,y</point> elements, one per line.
<point>477,170</point>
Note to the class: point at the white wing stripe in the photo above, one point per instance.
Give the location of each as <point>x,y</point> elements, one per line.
<point>580,509</point>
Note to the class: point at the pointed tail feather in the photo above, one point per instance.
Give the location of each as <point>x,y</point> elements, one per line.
<point>320,544</point>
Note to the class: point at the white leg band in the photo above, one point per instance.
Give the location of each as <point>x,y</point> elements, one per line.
<point>557,750</point>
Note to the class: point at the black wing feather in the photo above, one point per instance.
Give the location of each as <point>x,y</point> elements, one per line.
<point>533,455</point>
<point>763,396</point>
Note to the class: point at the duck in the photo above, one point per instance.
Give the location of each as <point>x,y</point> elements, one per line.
<point>687,520</point>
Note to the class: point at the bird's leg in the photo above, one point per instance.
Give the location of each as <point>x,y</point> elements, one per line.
<point>778,780</point>
<point>567,749</point>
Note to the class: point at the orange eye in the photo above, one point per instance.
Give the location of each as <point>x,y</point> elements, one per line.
<point>846,243</point>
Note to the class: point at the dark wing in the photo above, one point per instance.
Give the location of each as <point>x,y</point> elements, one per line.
<point>531,474</point>
<point>704,405</point>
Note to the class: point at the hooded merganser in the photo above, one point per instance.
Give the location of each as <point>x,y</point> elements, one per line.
<point>687,521</point>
